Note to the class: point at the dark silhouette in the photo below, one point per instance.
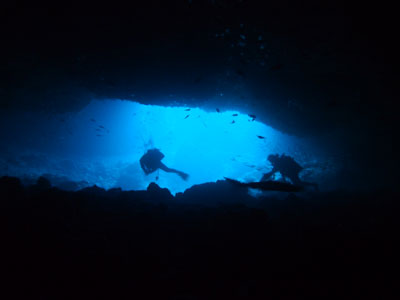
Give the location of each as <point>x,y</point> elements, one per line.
<point>94,238</point>
<point>268,185</point>
<point>151,161</point>
<point>288,168</point>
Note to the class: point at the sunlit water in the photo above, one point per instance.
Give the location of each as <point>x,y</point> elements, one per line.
<point>102,145</point>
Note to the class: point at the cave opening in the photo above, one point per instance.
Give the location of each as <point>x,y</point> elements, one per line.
<point>103,143</point>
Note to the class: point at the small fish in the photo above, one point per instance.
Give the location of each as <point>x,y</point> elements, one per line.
<point>217,109</point>
<point>253,117</point>
<point>99,135</point>
<point>261,137</point>
<point>156,177</point>
<point>98,129</point>
<point>101,126</point>
<point>92,120</point>
<point>187,109</point>
<point>234,115</point>
<point>187,117</point>
<point>233,122</point>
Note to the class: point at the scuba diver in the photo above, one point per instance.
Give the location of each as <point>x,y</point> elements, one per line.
<point>151,161</point>
<point>288,168</point>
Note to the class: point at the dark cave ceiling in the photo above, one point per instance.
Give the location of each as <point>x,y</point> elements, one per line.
<point>305,69</point>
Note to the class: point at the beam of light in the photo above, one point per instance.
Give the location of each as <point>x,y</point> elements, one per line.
<point>102,145</point>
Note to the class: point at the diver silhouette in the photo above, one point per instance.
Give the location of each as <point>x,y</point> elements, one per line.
<point>288,168</point>
<point>151,161</point>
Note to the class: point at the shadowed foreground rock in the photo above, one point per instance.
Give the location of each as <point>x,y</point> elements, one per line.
<point>113,244</point>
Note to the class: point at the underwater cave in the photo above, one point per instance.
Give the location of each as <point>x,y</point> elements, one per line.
<point>220,88</point>
<point>102,144</point>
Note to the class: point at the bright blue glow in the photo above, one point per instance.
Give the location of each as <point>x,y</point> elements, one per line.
<point>102,145</point>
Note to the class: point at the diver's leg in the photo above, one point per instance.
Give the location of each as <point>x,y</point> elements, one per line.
<point>183,175</point>
<point>166,169</point>
<point>169,170</point>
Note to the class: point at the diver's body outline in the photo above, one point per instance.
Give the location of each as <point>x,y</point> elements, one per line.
<point>151,162</point>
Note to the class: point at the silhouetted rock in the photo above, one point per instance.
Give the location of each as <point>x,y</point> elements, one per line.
<point>93,190</point>
<point>157,193</point>
<point>214,231</point>
<point>215,193</point>
<point>62,182</point>
<point>10,183</point>
<point>9,186</point>
<point>115,191</point>
<point>43,183</point>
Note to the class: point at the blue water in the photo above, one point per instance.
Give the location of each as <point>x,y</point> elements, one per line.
<point>102,145</point>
